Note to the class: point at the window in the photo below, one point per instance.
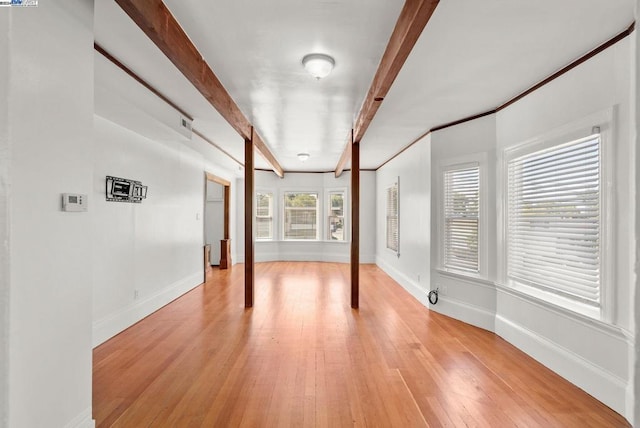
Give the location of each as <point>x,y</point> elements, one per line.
<point>461,218</point>
<point>264,215</point>
<point>554,220</point>
<point>335,224</point>
<point>393,202</point>
<point>300,215</point>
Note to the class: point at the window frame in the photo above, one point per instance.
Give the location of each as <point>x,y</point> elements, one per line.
<point>272,212</point>
<point>574,131</point>
<point>345,214</point>
<point>453,268</point>
<point>319,223</point>
<point>396,185</point>
<point>480,161</point>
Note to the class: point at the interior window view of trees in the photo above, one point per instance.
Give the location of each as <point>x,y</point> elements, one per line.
<point>264,215</point>
<point>336,217</point>
<point>300,215</point>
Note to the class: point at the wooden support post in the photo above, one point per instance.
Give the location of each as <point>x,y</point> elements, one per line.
<point>227,210</point>
<point>248,223</point>
<point>355,225</point>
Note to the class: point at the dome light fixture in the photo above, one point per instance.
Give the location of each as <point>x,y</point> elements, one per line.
<point>303,156</point>
<point>318,65</point>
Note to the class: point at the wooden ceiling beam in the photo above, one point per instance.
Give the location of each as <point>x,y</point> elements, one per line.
<point>345,157</point>
<point>413,18</point>
<point>156,21</point>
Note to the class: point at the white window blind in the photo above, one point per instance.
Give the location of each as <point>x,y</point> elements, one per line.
<point>553,230</point>
<point>392,217</point>
<point>335,230</point>
<point>300,216</point>
<point>264,215</point>
<point>461,218</point>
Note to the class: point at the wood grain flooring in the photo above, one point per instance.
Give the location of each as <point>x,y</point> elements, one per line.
<point>301,357</point>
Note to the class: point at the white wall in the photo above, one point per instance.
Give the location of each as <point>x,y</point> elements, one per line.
<point>214,220</point>
<point>321,250</point>
<point>146,254</point>
<point>49,69</point>
<point>412,268</point>
<point>5,265</point>
<point>470,300</point>
<point>598,356</point>
<point>594,355</point>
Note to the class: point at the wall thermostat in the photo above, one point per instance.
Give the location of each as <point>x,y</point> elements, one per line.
<point>74,202</point>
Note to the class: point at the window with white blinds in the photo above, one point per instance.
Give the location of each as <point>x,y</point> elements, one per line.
<point>392,217</point>
<point>554,221</point>
<point>264,215</point>
<point>461,218</point>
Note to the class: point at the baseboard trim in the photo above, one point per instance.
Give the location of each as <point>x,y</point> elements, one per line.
<point>414,289</point>
<point>83,420</point>
<point>593,379</point>
<point>301,257</point>
<point>463,311</point>
<point>109,326</point>
<point>305,257</point>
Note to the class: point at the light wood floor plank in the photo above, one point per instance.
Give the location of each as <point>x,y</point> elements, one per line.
<point>301,357</point>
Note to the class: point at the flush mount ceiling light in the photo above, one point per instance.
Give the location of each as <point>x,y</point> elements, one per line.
<point>303,156</point>
<point>318,65</point>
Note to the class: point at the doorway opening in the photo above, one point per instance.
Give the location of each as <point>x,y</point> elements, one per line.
<point>217,242</point>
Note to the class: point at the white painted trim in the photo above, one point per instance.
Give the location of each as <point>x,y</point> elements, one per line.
<point>463,311</point>
<point>309,257</point>
<point>446,305</point>
<point>479,160</point>
<point>346,213</point>
<point>83,420</point>
<point>414,289</point>
<point>604,386</point>
<point>301,257</point>
<point>470,279</point>
<point>603,327</point>
<point>109,326</point>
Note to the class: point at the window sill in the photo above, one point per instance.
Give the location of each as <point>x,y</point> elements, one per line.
<point>559,302</point>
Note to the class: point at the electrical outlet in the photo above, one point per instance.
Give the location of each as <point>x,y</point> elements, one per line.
<point>418,277</point>
<point>444,290</point>
<point>136,294</point>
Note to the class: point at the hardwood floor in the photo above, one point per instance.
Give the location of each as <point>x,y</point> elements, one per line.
<point>301,357</point>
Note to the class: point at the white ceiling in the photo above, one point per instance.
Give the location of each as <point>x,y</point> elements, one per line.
<point>472,56</point>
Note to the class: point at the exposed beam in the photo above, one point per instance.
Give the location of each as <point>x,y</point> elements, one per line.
<point>413,18</point>
<point>249,272</point>
<point>157,22</point>
<point>355,225</point>
<point>262,148</point>
<point>345,157</point>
